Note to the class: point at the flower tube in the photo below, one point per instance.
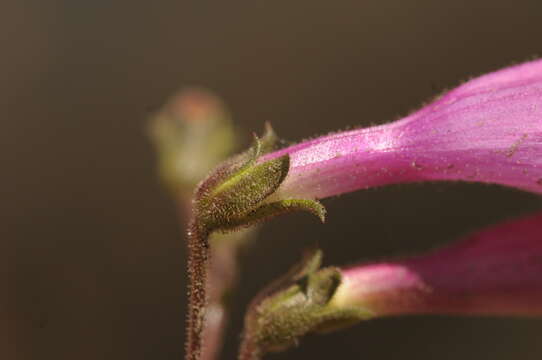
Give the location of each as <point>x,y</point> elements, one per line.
<point>497,271</point>
<point>487,130</point>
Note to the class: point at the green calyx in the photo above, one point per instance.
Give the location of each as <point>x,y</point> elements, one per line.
<point>297,305</point>
<point>235,194</point>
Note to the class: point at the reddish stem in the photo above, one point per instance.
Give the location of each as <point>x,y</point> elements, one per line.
<point>198,258</point>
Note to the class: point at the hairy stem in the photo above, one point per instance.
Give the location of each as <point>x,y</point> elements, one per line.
<point>198,258</point>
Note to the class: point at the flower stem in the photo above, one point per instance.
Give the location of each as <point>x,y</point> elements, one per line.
<point>198,258</point>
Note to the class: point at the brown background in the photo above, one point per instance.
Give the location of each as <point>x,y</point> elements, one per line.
<point>92,255</point>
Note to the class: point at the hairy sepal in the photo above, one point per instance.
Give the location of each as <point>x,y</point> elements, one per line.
<point>235,194</point>
<point>297,306</point>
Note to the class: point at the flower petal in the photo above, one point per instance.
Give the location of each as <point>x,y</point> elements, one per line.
<point>487,130</point>
<point>497,271</point>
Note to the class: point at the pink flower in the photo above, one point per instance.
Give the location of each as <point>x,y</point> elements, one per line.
<point>487,130</point>
<point>497,271</point>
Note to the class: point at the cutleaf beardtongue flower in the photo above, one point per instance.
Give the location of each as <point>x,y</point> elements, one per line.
<point>496,271</point>
<point>487,130</point>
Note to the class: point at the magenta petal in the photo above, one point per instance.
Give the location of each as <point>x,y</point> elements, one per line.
<point>487,130</point>
<point>495,271</point>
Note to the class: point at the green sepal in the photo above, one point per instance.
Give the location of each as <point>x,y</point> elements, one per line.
<point>269,140</point>
<point>234,195</point>
<point>284,206</point>
<point>310,262</point>
<point>240,162</point>
<point>231,201</point>
<point>277,320</point>
<point>270,210</point>
<point>236,164</point>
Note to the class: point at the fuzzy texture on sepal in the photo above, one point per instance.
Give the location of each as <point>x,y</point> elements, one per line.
<point>294,306</point>
<point>487,130</point>
<point>235,194</point>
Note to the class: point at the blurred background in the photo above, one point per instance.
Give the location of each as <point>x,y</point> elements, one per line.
<point>93,256</point>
